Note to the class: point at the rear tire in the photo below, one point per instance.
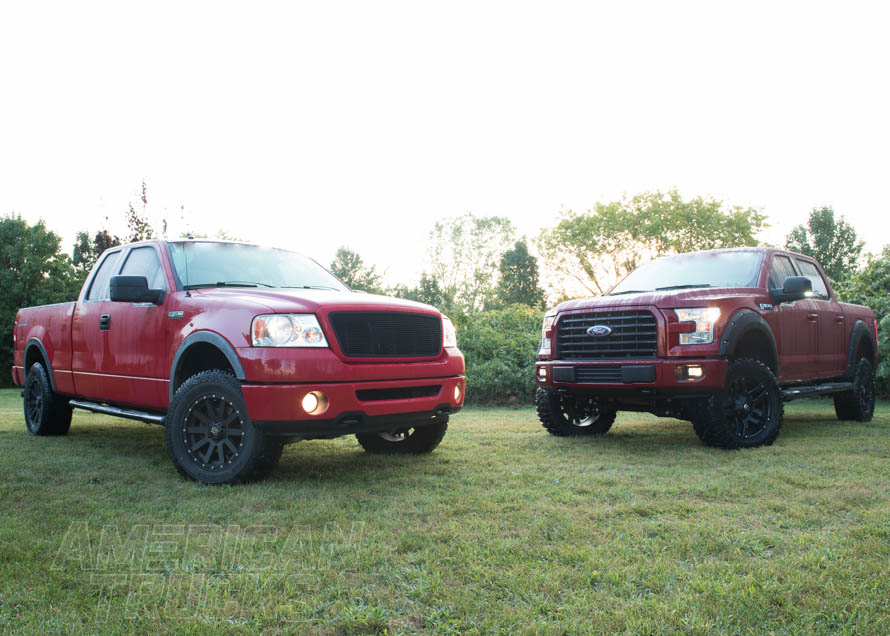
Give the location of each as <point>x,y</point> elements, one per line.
<point>746,413</point>
<point>209,436</point>
<point>858,405</point>
<point>405,441</point>
<point>46,412</point>
<point>564,415</point>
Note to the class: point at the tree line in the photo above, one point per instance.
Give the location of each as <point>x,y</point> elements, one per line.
<point>487,278</point>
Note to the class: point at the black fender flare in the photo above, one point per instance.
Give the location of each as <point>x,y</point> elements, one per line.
<point>208,337</point>
<point>740,325</point>
<point>34,342</point>
<point>859,333</point>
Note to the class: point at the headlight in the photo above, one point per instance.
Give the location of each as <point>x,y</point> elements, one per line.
<point>704,319</point>
<point>546,332</point>
<point>287,330</point>
<point>449,334</point>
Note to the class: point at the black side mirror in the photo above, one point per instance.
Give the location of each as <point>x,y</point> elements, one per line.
<point>134,289</point>
<point>795,288</point>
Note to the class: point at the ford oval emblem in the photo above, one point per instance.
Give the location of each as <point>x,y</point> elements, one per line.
<point>599,330</point>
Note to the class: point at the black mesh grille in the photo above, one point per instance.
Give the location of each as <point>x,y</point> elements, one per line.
<point>634,335</point>
<point>610,373</point>
<point>387,334</point>
<point>401,393</point>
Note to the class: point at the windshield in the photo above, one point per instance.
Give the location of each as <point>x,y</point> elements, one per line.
<point>208,264</point>
<point>688,271</point>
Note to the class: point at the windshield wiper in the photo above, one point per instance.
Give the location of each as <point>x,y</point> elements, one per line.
<point>629,291</point>
<point>228,283</point>
<point>669,287</point>
<point>318,287</point>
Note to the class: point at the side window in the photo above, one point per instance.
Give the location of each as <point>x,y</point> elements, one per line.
<point>812,272</point>
<point>99,286</point>
<point>143,261</point>
<point>780,269</point>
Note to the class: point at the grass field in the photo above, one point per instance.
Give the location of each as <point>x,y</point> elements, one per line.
<point>504,529</point>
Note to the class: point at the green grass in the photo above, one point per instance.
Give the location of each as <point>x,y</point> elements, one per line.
<point>503,529</point>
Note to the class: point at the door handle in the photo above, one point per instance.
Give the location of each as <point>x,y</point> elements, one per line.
<point>105,322</point>
<point>839,320</point>
<point>812,317</point>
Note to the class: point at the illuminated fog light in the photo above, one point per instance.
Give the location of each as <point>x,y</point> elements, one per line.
<point>542,373</point>
<point>315,402</point>
<point>690,373</point>
<point>457,393</point>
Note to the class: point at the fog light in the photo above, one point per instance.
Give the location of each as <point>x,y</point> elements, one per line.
<point>315,403</point>
<point>690,373</point>
<point>542,373</point>
<point>457,393</point>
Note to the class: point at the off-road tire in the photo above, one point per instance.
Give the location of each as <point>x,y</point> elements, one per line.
<point>210,437</point>
<point>746,413</point>
<point>405,441</point>
<point>46,412</point>
<point>562,416</point>
<point>858,405</point>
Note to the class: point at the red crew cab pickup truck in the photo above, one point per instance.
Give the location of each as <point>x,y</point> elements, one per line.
<point>720,338</point>
<point>237,349</point>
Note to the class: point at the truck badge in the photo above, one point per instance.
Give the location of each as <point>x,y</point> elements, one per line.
<point>599,330</point>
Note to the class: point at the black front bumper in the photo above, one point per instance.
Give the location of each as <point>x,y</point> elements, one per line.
<point>355,422</point>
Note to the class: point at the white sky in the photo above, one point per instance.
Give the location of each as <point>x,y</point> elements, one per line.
<point>313,125</point>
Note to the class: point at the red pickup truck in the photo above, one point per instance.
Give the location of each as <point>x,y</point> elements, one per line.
<point>238,349</point>
<point>720,338</point>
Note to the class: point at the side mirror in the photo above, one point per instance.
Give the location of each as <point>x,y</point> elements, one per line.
<point>134,289</point>
<point>795,288</point>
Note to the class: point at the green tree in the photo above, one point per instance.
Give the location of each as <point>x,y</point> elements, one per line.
<point>518,281</point>
<point>464,256</point>
<point>349,267</point>
<point>137,222</point>
<point>832,242</point>
<point>87,251</point>
<point>597,248</point>
<point>870,286</point>
<point>32,272</point>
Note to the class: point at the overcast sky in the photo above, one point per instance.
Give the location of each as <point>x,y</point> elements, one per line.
<point>314,125</point>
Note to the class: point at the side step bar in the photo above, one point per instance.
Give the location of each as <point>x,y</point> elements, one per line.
<point>819,389</point>
<point>141,416</point>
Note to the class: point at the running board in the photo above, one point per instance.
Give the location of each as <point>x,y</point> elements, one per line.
<point>141,416</point>
<point>819,389</point>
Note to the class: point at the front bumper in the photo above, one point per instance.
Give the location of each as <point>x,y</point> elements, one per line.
<point>353,406</point>
<point>661,374</point>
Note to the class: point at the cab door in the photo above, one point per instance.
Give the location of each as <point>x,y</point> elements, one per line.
<point>794,325</point>
<point>831,349</point>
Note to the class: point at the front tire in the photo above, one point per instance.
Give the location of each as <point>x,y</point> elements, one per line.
<point>405,441</point>
<point>46,412</point>
<point>746,413</point>
<point>209,436</point>
<point>858,405</point>
<point>566,415</point>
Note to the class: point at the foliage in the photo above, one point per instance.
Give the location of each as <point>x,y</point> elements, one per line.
<point>464,256</point>
<point>32,272</point>
<point>429,292</point>
<point>831,242</point>
<point>138,224</point>
<point>349,267</point>
<point>598,248</point>
<point>518,281</point>
<point>871,287</point>
<point>499,347</point>
<point>87,251</point>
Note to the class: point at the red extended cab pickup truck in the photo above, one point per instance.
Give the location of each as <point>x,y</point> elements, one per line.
<point>237,349</point>
<point>720,338</point>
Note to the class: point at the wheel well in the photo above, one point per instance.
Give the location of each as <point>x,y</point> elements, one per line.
<point>865,350</point>
<point>32,355</point>
<point>201,356</point>
<point>756,345</point>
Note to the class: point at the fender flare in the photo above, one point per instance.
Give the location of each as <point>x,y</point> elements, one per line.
<point>859,333</point>
<point>34,342</point>
<point>739,326</point>
<point>211,338</point>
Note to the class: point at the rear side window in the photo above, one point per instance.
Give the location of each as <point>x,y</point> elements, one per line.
<point>809,270</point>
<point>143,261</point>
<point>99,286</point>
<point>780,269</point>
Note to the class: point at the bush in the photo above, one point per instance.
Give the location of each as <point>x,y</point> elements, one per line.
<point>499,347</point>
<point>871,287</point>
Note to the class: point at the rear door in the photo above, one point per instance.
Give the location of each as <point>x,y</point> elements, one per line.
<point>794,325</point>
<point>832,354</point>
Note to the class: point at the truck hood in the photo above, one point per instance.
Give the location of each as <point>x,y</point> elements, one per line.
<point>665,299</point>
<point>311,300</point>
